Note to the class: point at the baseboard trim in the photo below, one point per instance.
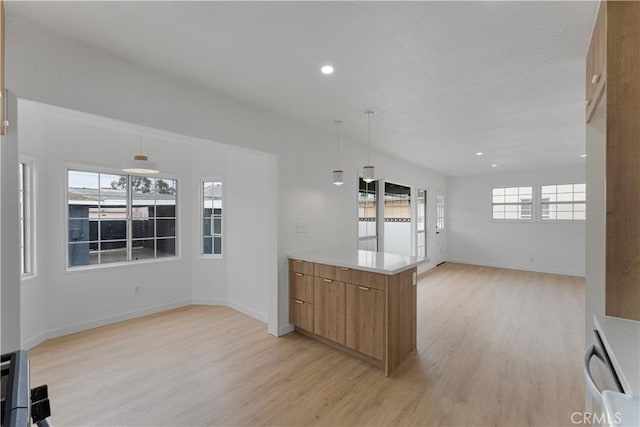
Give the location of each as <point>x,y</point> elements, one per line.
<point>246,310</point>
<point>34,341</point>
<point>208,301</point>
<point>285,329</point>
<point>515,267</point>
<point>103,321</point>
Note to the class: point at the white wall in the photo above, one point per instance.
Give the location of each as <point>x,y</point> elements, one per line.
<point>48,68</point>
<point>58,139</point>
<point>547,246</point>
<point>596,233</point>
<point>10,260</point>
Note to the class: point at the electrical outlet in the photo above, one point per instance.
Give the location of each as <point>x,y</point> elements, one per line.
<point>302,228</point>
<point>137,289</point>
<point>415,278</point>
<point>532,260</point>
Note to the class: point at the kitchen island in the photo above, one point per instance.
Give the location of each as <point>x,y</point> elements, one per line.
<point>360,302</point>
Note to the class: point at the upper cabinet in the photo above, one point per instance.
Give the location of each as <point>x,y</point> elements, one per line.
<point>613,92</point>
<point>597,62</point>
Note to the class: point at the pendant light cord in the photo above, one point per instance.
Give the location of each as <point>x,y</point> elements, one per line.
<point>369,139</point>
<point>338,123</point>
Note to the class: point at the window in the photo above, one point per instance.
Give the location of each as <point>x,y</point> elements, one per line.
<point>397,219</point>
<point>421,223</point>
<point>439,211</point>
<point>212,218</point>
<point>512,203</point>
<point>367,216</point>
<point>563,202</point>
<point>26,218</point>
<point>119,218</point>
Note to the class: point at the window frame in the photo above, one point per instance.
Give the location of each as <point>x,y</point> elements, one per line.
<point>200,216</point>
<point>425,212</point>
<point>531,204</point>
<point>573,202</point>
<point>129,205</point>
<point>27,216</point>
<point>440,212</point>
<point>377,237</point>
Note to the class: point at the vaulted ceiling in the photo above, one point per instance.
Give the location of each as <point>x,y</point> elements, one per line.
<point>446,79</point>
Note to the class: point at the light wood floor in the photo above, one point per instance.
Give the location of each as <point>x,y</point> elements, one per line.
<point>495,347</point>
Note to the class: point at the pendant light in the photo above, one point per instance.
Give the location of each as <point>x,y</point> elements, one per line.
<point>368,172</point>
<point>338,173</point>
<point>141,163</point>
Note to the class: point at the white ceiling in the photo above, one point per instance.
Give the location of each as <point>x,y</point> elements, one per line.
<point>446,79</point>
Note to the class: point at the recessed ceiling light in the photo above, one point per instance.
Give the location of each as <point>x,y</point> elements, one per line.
<point>479,153</point>
<point>327,69</point>
<point>495,165</point>
<point>583,155</point>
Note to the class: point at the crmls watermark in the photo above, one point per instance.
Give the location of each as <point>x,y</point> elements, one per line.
<point>596,418</point>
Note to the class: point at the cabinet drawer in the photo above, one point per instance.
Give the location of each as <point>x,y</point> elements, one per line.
<point>298,266</point>
<point>301,287</point>
<point>344,274</point>
<point>301,314</point>
<point>324,271</point>
<point>370,280</point>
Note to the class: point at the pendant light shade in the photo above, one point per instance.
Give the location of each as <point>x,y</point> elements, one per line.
<point>338,177</point>
<point>368,174</point>
<point>369,171</point>
<point>141,163</point>
<point>338,174</point>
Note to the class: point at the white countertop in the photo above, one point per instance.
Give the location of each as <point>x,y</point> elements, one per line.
<point>377,262</point>
<point>621,339</point>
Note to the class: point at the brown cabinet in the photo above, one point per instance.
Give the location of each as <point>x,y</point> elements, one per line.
<point>301,314</point>
<point>596,63</point>
<point>366,317</point>
<point>369,315</point>
<point>301,287</point>
<point>298,266</point>
<point>613,96</point>
<point>329,309</point>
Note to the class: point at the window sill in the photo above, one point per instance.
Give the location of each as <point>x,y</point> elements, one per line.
<point>202,256</point>
<point>537,221</point>
<point>120,264</point>
<point>28,277</point>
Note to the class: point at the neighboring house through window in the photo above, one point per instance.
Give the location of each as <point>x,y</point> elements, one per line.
<point>212,218</point>
<point>119,218</point>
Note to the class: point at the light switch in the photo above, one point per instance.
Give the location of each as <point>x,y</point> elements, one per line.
<point>301,227</point>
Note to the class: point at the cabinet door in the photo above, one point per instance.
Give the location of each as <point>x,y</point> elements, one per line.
<point>301,287</point>
<point>329,309</point>
<point>366,320</point>
<point>301,314</point>
<point>597,62</point>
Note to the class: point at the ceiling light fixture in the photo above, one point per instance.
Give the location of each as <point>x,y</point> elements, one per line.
<point>327,69</point>
<point>338,173</point>
<point>368,172</point>
<point>479,153</point>
<point>583,155</point>
<point>495,165</point>
<point>141,163</point>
